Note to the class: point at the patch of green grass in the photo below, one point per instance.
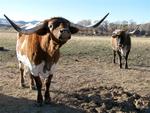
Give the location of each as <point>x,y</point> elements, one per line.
<point>8,41</point>
<point>140,52</point>
<point>100,47</point>
<point>82,46</point>
<point>88,47</point>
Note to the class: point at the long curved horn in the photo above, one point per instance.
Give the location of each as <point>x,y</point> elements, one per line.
<point>25,29</point>
<point>98,23</point>
<point>133,32</point>
<point>80,27</point>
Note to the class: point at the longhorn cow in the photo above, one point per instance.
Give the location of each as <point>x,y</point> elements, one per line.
<point>38,46</point>
<point>121,43</point>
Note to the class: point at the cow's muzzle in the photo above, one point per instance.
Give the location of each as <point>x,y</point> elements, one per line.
<point>65,34</point>
<point>120,45</point>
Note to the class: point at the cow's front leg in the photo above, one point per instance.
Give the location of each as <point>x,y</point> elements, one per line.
<point>22,84</point>
<point>39,87</point>
<point>47,84</point>
<point>126,59</point>
<point>114,58</point>
<point>120,58</point>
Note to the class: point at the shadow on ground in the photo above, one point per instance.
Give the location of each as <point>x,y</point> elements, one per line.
<point>141,68</point>
<point>10,104</point>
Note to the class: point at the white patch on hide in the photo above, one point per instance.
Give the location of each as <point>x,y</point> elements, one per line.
<point>123,51</point>
<point>117,31</point>
<point>36,70</point>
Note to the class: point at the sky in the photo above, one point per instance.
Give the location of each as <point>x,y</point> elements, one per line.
<point>77,10</point>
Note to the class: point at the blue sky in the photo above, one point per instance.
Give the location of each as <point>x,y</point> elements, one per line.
<point>76,10</point>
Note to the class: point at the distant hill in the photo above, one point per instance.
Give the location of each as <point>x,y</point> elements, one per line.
<point>4,22</point>
<point>5,26</point>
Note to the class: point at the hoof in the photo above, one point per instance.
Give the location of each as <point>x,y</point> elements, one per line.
<point>33,88</point>
<point>47,101</point>
<point>120,66</point>
<point>22,86</point>
<point>37,104</point>
<point>126,68</point>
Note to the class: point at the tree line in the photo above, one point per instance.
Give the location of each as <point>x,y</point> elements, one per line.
<point>106,28</point>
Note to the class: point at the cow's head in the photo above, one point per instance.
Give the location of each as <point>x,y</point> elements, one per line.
<point>60,28</point>
<point>119,36</point>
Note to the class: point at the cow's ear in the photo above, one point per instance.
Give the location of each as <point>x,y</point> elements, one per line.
<point>73,30</point>
<point>44,30</point>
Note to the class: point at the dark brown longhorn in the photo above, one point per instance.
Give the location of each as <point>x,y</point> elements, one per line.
<point>121,43</point>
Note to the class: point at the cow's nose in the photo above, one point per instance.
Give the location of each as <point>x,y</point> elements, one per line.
<point>61,31</point>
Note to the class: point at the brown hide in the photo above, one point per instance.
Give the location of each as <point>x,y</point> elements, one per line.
<point>38,48</point>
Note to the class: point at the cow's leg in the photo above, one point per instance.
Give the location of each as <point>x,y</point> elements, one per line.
<point>21,67</point>
<point>120,58</point>
<point>39,88</point>
<point>22,83</point>
<point>47,84</point>
<point>114,58</point>
<point>126,60</point>
<point>32,85</point>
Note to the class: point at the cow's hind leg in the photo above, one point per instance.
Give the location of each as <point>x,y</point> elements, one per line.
<point>39,88</point>
<point>47,84</point>
<point>21,67</point>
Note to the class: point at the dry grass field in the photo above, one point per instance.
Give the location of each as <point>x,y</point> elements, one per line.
<point>85,81</point>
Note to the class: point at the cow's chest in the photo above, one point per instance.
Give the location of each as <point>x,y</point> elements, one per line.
<point>123,51</point>
<point>41,69</point>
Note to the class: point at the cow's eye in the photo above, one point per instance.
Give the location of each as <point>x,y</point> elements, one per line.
<point>50,26</point>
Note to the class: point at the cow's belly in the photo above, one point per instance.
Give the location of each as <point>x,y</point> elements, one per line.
<point>36,70</point>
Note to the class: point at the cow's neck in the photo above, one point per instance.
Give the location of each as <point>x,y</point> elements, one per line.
<point>49,45</point>
<point>51,50</point>
<point>53,47</point>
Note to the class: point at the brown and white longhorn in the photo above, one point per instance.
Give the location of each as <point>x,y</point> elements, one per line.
<point>38,46</point>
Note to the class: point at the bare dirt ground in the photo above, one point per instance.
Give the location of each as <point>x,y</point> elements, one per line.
<point>85,80</point>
